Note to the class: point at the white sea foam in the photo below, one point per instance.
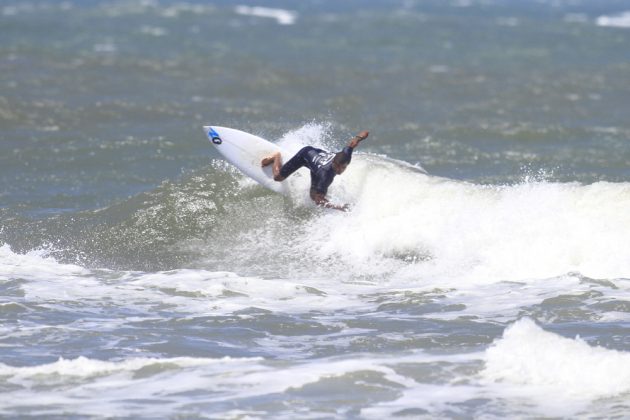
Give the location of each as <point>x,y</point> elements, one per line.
<point>457,230</point>
<point>85,368</point>
<point>204,293</point>
<point>426,398</point>
<point>312,134</point>
<point>48,282</point>
<point>421,226</point>
<point>35,264</point>
<point>507,299</point>
<point>530,356</point>
<point>621,20</point>
<point>282,16</point>
<point>90,387</point>
<point>93,387</point>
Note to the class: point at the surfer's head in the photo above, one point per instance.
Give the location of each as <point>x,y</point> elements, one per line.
<point>342,160</point>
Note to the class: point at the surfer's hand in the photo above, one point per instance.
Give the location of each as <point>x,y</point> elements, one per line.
<point>363,135</point>
<point>345,208</point>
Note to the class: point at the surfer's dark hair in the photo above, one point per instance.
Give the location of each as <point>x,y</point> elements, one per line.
<point>344,157</point>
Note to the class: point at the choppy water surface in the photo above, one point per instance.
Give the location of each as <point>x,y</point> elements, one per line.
<point>142,277</point>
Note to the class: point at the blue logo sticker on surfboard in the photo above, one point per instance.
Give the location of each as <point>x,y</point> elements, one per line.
<point>214,136</point>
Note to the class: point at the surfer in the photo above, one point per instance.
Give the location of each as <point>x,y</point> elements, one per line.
<point>324,167</point>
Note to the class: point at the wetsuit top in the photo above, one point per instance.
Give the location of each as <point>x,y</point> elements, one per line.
<point>318,161</point>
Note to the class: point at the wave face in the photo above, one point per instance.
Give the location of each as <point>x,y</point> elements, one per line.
<point>403,223</point>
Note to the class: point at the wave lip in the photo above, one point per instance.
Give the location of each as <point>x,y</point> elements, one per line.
<point>528,355</point>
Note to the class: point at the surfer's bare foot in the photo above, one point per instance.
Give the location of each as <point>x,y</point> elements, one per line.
<point>354,142</point>
<point>363,135</point>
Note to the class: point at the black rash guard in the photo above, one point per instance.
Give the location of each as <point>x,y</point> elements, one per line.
<point>318,161</point>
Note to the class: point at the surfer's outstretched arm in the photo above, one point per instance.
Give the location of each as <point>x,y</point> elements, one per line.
<point>321,200</point>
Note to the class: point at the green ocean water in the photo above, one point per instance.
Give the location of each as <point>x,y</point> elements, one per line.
<point>144,277</point>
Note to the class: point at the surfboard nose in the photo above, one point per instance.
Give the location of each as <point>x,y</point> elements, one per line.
<point>212,135</point>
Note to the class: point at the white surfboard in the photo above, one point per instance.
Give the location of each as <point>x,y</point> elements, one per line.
<point>245,151</point>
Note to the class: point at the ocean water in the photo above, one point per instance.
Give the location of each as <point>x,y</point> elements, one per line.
<point>483,271</point>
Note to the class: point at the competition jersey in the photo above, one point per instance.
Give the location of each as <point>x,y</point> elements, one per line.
<point>322,172</point>
<point>320,164</point>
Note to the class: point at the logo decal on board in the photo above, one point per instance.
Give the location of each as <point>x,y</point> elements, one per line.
<point>214,136</point>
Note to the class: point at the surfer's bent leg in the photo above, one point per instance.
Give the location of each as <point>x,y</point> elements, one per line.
<point>292,165</point>
<point>276,160</point>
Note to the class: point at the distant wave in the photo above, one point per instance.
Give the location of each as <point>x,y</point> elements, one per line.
<point>621,20</point>
<point>282,16</point>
